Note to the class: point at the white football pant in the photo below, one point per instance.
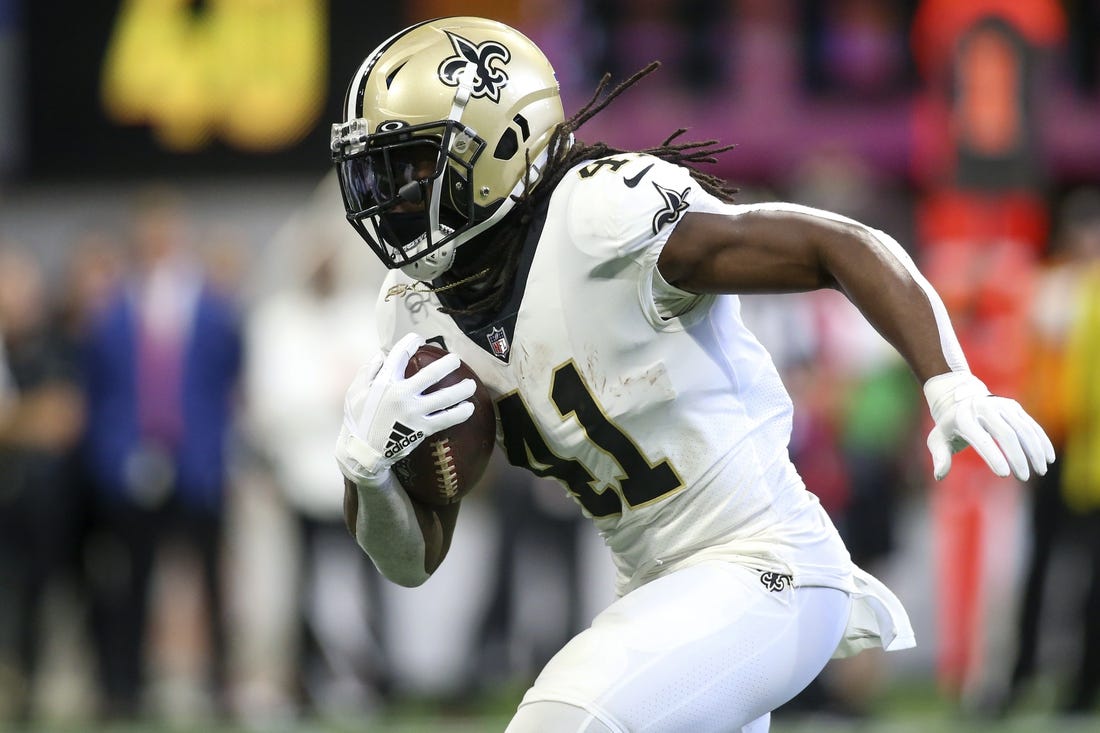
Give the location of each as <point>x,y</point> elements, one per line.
<point>711,648</point>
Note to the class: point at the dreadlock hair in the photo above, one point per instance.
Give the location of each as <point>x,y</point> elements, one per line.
<point>494,265</point>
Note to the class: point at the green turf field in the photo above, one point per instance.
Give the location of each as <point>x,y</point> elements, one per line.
<point>914,708</point>
<point>490,724</point>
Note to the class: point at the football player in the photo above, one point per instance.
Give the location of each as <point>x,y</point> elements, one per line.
<point>594,292</point>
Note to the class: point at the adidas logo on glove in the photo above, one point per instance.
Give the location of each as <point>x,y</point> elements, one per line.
<point>401,437</point>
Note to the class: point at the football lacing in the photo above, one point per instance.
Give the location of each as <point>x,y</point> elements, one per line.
<point>445,471</point>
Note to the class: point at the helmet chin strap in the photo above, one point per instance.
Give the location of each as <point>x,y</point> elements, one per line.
<point>431,266</point>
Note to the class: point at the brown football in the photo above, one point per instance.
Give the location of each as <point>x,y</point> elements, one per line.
<point>447,465</point>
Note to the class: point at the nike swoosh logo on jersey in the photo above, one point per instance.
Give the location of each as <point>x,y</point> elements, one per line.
<point>636,179</point>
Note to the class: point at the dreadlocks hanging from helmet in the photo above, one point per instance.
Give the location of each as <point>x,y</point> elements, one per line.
<point>479,277</point>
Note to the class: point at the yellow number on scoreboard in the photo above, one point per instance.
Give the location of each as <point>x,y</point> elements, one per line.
<point>250,72</point>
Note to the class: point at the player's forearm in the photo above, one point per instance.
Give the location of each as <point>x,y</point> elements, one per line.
<point>882,281</point>
<point>406,540</point>
<point>388,529</point>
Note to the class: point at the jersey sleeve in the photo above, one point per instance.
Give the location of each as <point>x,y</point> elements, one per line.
<point>622,206</point>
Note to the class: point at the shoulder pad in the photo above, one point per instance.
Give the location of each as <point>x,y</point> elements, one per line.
<point>620,204</point>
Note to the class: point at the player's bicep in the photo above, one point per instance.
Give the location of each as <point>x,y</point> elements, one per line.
<point>757,251</point>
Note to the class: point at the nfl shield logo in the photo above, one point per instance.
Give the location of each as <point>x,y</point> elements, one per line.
<point>498,342</point>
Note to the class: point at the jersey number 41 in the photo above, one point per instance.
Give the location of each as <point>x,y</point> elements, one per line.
<point>640,481</point>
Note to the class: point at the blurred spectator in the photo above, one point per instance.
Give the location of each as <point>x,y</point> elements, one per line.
<point>982,221</point>
<point>537,516</point>
<point>225,257</point>
<point>161,365</point>
<point>92,268</point>
<point>305,341</point>
<point>1065,399</point>
<point>41,414</point>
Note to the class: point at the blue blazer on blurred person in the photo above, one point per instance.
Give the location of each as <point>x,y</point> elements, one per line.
<point>127,456</point>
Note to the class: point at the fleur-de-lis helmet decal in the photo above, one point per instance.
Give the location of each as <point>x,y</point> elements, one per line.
<point>489,78</point>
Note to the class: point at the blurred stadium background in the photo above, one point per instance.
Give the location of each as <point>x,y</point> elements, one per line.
<point>165,131</point>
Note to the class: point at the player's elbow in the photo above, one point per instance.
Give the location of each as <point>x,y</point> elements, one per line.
<point>407,572</point>
<point>844,251</point>
<point>405,576</point>
<point>408,580</point>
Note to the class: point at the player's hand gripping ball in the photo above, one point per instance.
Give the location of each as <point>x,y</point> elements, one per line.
<point>447,465</point>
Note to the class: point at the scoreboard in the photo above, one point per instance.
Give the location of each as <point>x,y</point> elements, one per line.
<point>127,88</point>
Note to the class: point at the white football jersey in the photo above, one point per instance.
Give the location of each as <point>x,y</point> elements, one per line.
<point>659,412</point>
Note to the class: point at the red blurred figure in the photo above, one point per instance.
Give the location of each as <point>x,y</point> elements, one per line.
<point>982,225</point>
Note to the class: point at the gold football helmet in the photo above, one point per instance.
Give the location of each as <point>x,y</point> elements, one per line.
<point>439,123</point>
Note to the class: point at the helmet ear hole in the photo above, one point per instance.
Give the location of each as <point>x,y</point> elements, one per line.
<point>507,146</point>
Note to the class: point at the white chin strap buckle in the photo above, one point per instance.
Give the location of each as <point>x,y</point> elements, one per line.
<point>435,264</point>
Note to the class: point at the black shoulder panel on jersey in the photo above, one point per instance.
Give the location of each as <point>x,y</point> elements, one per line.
<point>496,332</point>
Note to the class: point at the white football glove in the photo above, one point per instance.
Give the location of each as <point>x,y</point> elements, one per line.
<point>1001,432</point>
<point>387,415</point>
